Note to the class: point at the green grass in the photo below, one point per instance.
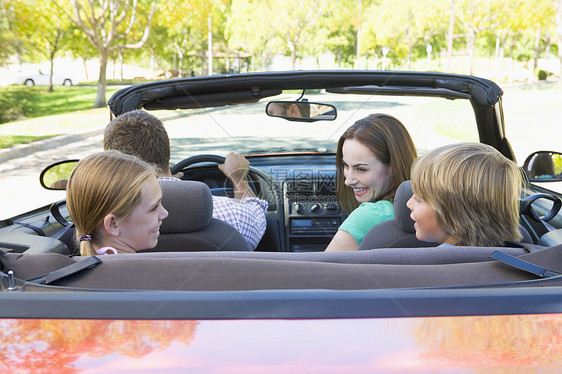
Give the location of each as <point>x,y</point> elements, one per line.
<point>11,140</point>
<point>63,99</point>
<point>532,114</point>
<point>46,114</point>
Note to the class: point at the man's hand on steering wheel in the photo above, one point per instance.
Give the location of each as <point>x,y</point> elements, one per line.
<point>236,168</point>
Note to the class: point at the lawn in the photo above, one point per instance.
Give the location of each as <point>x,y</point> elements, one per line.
<point>532,116</point>
<point>65,110</point>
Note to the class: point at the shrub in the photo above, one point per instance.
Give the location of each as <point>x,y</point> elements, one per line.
<point>541,74</point>
<point>14,104</point>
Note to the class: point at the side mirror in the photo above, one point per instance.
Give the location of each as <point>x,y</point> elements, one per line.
<point>544,166</point>
<point>55,176</point>
<point>301,111</point>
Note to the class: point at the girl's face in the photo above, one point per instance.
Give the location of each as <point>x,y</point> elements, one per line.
<point>363,172</point>
<point>426,225</point>
<point>141,229</point>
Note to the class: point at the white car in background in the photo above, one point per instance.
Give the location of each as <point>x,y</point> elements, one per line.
<point>42,79</point>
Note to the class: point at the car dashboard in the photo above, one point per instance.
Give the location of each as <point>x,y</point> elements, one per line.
<point>303,213</point>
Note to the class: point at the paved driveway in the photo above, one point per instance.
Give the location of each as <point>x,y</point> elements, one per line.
<point>20,176</point>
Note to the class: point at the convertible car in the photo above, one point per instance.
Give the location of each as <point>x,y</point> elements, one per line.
<point>197,302</point>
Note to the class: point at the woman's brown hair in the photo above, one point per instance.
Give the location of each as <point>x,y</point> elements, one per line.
<point>391,144</point>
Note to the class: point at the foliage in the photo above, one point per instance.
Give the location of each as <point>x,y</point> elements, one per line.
<point>42,28</point>
<point>173,36</point>
<point>7,36</point>
<point>403,25</point>
<point>111,27</point>
<point>248,28</point>
<point>343,20</point>
<point>15,104</point>
<point>187,25</point>
<point>18,102</point>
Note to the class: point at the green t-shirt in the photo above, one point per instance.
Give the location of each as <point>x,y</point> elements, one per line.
<point>365,216</point>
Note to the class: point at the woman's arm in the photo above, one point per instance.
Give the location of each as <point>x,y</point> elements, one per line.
<point>342,241</point>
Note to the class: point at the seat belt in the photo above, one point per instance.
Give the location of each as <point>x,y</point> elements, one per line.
<point>527,266</point>
<point>530,248</point>
<point>66,271</point>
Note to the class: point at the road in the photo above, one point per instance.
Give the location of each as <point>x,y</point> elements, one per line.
<point>19,177</point>
<point>218,132</point>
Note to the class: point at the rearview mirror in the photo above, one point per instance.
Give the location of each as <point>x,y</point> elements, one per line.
<point>544,166</point>
<point>302,111</point>
<point>55,176</point>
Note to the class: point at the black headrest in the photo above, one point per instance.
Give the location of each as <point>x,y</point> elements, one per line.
<point>401,211</point>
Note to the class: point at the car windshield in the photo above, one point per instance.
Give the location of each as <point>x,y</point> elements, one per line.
<point>246,128</point>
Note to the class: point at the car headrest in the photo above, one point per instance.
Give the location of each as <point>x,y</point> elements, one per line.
<point>189,204</point>
<point>401,211</point>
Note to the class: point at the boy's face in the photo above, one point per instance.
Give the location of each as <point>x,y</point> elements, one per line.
<point>426,225</point>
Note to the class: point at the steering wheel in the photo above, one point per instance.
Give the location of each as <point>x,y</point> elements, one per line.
<point>536,225</point>
<point>527,209</point>
<point>253,174</point>
<point>55,211</point>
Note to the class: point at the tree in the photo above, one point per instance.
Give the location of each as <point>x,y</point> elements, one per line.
<point>343,21</point>
<point>109,26</point>
<point>249,28</point>
<point>531,20</point>
<point>42,29</point>
<point>296,22</point>
<point>8,38</point>
<point>80,47</point>
<point>476,16</point>
<point>558,6</point>
<point>407,26</point>
<point>188,26</point>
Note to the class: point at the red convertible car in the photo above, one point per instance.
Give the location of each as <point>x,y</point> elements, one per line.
<point>289,307</point>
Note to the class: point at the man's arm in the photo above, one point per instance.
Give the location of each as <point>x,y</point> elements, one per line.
<point>236,168</point>
<point>248,216</point>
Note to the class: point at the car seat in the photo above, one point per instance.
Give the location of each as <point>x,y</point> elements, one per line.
<point>190,225</point>
<point>398,232</point>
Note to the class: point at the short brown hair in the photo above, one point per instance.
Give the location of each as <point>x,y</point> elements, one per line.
<point>391,144</point>
<point>140,134</point>
<point>474,191</point>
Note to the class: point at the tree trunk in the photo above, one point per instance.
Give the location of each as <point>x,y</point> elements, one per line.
<point>102,81</point>
<point>410,49</point>
<point>450,35</point>
<point>85,67</point>
<point>51,71</point>
<point>537,45</point>
<point>558,5</point>
<point>471,43</point>
<point>121,62</point>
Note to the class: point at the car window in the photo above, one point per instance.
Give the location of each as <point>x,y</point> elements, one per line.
<point>432,122</point>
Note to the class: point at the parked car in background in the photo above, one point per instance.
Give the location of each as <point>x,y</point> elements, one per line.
<point>39,78</point>
<point>289,307</point>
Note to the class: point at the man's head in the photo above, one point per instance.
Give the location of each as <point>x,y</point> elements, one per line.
<point>140,134</point>
<point>289,109</point>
